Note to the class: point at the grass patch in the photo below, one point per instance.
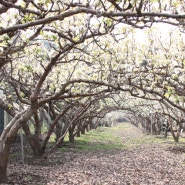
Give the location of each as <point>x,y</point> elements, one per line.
<point>121,136</point>
<point>110,138</point>
<point>102,138</point>
<point>145,140</point>
<point>153,139</point>
<point>15,155</point>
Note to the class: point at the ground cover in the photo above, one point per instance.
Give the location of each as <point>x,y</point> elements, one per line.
<point>120,155</point>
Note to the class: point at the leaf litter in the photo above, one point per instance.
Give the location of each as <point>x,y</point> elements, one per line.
<point>146,163</point>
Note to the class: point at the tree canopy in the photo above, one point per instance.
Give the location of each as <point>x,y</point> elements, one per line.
<point>68,63</point>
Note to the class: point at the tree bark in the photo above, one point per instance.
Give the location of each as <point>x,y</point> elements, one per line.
<point>58,130</point>
<point>4,155</point>
<point>7,138</point>
<point>35,143</point>
<point>83,131</point>
<point>175,137</point>
<point>87,128</point>
<point>78,134</point>
<point>3,175</point>
<point>5,146</point>
<point>71,136</point>
<point>165,133</point>
<point>36,148</point>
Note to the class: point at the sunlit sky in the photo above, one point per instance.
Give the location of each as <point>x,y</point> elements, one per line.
<point>162,29</point>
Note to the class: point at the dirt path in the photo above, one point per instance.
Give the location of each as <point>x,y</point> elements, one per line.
<point>142,160</point>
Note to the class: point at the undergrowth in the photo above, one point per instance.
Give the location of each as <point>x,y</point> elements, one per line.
<point>111,138</point>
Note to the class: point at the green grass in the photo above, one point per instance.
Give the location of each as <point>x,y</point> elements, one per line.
<point>102,138</point>
<point>15,155</point>
<point>181,139</point>
<point>112,138</point>
<point>109,138</point>
<point>154,139</point>
<point>43,128</point>
<point>146,140</point>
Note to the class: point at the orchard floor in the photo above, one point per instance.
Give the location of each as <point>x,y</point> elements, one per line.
<point>121,155</point>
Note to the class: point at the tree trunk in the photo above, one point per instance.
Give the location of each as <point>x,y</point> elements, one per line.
<point>87,128</point>
<point>78,134</point>
<point>3,164</point>
<point>71,136</point>
<point>60,144</point>
<point>71,139</point>
<point>58,131</point>
<point>91,125</point>
<point>36,148</point>
<point>79,127</point>
<point>34,141</point>
<point>3,175</point>
<point>5,146</point>
<point>165,133</point>
<point>83,131</point>
<point>175,137</point>
<point>6,140</point>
